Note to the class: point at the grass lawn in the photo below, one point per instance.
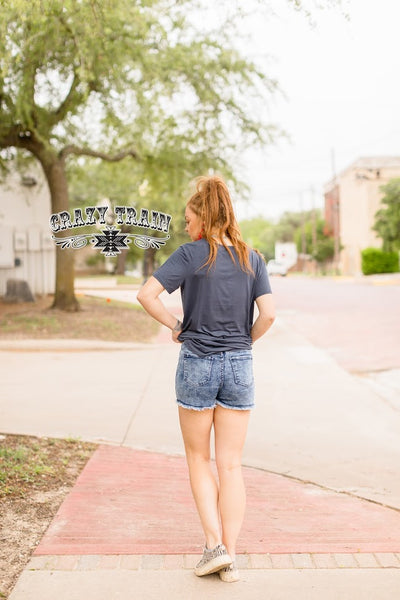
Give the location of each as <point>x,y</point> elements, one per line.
<point>99,318</point>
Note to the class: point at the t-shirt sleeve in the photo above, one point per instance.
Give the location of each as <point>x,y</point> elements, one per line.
<point>261,284</point>
<point>172,273</point>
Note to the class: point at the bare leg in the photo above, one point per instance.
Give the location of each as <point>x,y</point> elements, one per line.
<point>196,428</point>
<point>230,434</point>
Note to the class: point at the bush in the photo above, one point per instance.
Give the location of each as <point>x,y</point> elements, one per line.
<point>325,250</point>
<point>374,260</point>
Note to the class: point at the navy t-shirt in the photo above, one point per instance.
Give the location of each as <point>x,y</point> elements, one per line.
<point>218,302</point>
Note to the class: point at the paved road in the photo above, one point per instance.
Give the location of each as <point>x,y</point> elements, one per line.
<point>357,322</point>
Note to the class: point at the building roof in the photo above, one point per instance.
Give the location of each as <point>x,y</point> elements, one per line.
<point>368,163</point>
<point>374,162</point>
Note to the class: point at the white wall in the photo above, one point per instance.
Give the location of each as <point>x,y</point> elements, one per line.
<point>25,235</point>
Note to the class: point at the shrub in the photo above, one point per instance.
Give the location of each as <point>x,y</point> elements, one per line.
<point>374,260</point>
<point>325,250</point>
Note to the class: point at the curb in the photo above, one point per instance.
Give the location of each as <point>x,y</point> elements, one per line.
<point>164,562</point>
<point>65,345</point>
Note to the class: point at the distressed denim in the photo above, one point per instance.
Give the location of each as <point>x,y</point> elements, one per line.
<point>224,378</point>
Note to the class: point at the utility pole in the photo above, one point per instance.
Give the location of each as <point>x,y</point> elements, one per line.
<point>335,208</point>
<point>314,229</point>
<point>303,234</point>
<point>314,221</point>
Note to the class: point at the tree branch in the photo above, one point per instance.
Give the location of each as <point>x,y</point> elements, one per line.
<point>17,136</point>
<point>12,136</point>
<point>71,149</point>
<point>58,115</point>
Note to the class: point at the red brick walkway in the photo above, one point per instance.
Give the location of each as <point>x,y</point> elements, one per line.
<point>134,502</point>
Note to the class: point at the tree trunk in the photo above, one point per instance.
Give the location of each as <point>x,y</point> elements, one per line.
<point>148,263</point>
<point>121,258</point>
<point>64,297</point>
<point>121,262</point>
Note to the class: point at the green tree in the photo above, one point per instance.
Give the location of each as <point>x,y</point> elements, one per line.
<point>117,79</point>
<point>91,181</point>
<point>387,218</point>
<point>324,249</point>
<point>291,227</point>
<point>317,244</point>
<point>287,226</point>
<point>307,230</point>
<point>259,233</point>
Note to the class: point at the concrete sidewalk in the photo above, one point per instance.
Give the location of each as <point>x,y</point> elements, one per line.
<point>118,535</point>
<point>313,420</point>
<point>324,434</point>
<point>146,582</point>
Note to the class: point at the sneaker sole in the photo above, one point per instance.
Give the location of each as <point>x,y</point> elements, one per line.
<point>215,565</point>
<point>229,577</point>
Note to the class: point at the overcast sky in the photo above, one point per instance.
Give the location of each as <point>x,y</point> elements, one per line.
<point>342,82</point>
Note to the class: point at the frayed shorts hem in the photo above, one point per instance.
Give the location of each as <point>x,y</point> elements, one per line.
<point>218,403</point>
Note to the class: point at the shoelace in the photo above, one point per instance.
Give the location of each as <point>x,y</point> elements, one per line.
<point>212,553</point>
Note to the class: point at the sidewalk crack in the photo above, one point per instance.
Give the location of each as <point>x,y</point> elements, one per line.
<point>138,405</point>
<point>324,487</point>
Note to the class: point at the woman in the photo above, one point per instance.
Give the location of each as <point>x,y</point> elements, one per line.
<point>220,279</point>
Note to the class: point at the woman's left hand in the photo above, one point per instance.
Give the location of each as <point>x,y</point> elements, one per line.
<point>174,335</point>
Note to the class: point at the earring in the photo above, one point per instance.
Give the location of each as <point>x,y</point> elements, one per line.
<point>201,234</point>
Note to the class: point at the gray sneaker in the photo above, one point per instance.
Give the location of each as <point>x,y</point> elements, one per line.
<point>212,561</point>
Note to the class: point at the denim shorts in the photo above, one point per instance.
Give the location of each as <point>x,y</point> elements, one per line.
<point>224,378</point>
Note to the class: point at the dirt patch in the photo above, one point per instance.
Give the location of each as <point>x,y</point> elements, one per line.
<point>35,476</point>
<point>99,318</point>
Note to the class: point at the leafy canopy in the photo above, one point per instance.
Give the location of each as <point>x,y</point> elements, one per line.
<point>98,77</point>
<point>291,227</point>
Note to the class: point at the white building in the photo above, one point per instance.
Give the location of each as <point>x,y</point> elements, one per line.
<point>26,248</point>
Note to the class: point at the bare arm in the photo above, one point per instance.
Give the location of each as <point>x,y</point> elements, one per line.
<point>266,316</point>
<point>148,297</point>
